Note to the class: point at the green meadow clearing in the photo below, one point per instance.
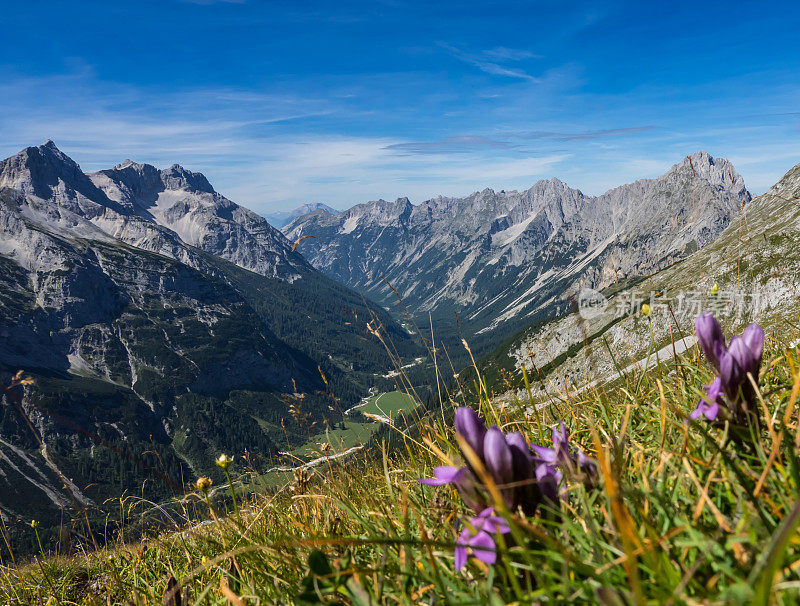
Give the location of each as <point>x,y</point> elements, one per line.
<point>355,432</point>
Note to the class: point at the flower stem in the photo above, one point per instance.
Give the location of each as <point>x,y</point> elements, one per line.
<point>233,495</point>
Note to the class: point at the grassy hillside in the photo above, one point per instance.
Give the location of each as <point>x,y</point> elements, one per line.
<point>681,513</point>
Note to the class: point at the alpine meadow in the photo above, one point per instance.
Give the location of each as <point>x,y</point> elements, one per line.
<point>399,303</point>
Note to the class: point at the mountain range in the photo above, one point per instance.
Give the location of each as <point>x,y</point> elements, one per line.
<point>490,263</point>
<point>159,317</point>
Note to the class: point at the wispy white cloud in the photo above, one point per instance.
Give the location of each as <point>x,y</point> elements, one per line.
<point>346,171</point>
<point>210,2</point>
<point>501,53</point>
<point>483,63</point>
<point>588,135</point>
<point>452,145</point>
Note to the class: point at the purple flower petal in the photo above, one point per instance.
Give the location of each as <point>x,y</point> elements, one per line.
<point>586,464</point>
<point>524,464</point>
<point>744,357</point>
<point>469,426</point>
<point>461,548</point>
<point>730,374</point>
<point>483,547</point>
<point>548,455</point>
<point>714,389</point>
<point>516,439</point>
<point>561,445</point>
<point>709,406</point>
<point>488,522</point>
<point>486,513</point>
<point>467,487</point>
<point>753,336</point>
<point>497,456</point>
<point>560,435</point>
<point>461,557</point>
<point>495,524</point>
<point>445,474</point>
<point>709,335</point>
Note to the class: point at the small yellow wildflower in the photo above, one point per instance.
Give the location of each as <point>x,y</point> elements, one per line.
<point>645,310</point>
<point>224,461</point>
<point>714,290</point>
<point>203,484</point>
<point>34,524</point>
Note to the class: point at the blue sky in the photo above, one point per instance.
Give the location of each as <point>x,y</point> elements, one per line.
<point>283,103</point>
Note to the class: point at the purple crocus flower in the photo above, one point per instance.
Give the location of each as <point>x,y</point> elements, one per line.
<point>732,388</point>
<point>464,481</point>
<point>470,427</point>
<point>446,474</point>
<point>497,457</point>
<point>548,479</point>
<point>709,335</point>
<point>753,337</point>
<point>524,478</point>
<point>507,459</point>
<point>709,406</point>
<point>559,454</point>
<point>479,538</point>
<point>561,457</point>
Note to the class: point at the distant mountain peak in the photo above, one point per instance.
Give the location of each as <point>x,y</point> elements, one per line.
<point>717,171</point>
<point>49,152</point>
<point>702,158</point>
<point>177,177</point>
<point>281,219</point>
<point>42,169</point>
<point>157,210</point>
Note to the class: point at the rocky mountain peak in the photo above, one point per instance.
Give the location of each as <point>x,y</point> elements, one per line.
<point>44,169</point>
<point>282,218</point>
<point>311,207</point>
<point>176,177</point>
<point>719,172</point>
<point>157,210</point>
<point>137,178</point>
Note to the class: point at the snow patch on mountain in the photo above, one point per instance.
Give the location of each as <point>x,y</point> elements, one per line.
<point>510,234</point>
